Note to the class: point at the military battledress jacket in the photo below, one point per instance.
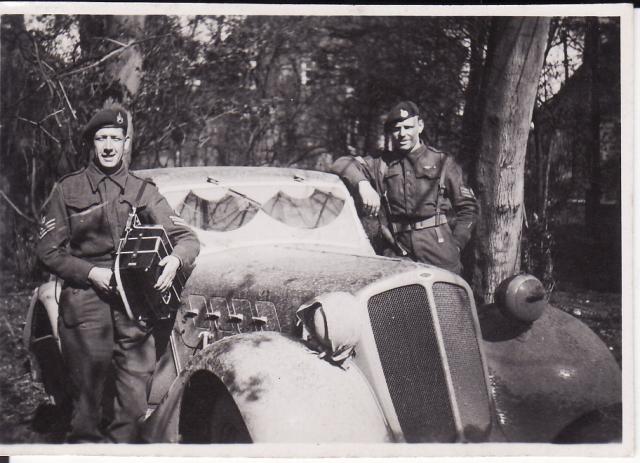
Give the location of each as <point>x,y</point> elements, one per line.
<point>411,183</point>
<point>86,215</point>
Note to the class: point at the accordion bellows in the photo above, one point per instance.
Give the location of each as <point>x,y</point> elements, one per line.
<point>140,250</point>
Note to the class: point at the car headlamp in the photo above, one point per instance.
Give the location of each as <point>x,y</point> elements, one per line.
<point>332,324</point>
<point>522,297</point>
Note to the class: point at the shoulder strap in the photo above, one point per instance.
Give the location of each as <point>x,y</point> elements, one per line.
<point>134,220</point>
<point>443,172</point>
<point>441,189</point>
<point>140,192</point>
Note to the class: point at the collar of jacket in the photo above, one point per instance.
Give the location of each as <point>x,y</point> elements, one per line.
<point>95,176</point>
<point>397,156</point>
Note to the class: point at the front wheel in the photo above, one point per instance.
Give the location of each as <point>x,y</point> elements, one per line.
<point>596,427</point>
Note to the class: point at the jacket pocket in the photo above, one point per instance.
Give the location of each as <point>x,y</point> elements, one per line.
<point>85,213</point>
<point>83,305</point>
<point>393,183</point>
<point>75,305</point>
<point>430,171</point>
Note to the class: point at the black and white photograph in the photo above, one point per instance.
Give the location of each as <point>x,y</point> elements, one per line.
<point>305,230</point>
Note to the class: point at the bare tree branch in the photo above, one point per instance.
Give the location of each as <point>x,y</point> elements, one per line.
<point>50,115</point>
<point>36,124</point>
<point>15,208</point>
<point>66,98</point>
<point>32,189</point>
<point>108,39</point>
<point>106,57</point>
<point>110,55</point>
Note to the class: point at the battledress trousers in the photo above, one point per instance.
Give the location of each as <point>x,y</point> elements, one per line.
<point>84,220</point>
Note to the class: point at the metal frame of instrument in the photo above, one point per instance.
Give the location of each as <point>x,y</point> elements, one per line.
<point>159,245</point>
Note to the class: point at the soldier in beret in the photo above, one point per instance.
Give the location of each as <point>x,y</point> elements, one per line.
<point>430,210</point>
<point>84,219</point>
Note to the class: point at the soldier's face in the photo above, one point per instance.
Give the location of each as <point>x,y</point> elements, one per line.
<point>405,135</point>
<point>109,144</point>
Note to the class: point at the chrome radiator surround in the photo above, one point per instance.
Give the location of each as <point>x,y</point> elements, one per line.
<point>426,364</point>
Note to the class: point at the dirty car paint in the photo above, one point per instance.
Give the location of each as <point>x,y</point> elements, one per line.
<point>285,393</point>
<point>546,375</point>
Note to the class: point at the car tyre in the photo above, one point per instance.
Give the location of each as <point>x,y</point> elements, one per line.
<point>596,427</point>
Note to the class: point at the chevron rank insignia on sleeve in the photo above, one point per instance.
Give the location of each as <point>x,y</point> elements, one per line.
<point>177,220</point>
<point>467,192</point>
<point>46,226</point>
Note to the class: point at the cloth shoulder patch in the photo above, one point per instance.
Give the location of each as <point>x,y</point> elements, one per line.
<point>467,192</point>
<point>46,225</point>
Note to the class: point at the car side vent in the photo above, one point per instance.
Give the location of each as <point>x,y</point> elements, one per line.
<point>413,366</point>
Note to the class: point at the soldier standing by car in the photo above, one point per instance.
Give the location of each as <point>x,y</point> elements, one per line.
<point>84,218</point>
<point>430,210</point>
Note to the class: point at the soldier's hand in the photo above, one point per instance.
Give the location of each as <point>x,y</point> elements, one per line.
<point>100,279</point>
<point>171,265</point>
<point>370,198</point>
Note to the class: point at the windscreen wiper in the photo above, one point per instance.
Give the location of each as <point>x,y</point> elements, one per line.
<point>215,181</point>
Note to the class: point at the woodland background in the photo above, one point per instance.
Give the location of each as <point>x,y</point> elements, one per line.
<point>529,106</point>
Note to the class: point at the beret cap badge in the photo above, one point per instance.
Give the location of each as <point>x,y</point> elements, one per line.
<point>400,112</point>
<point>114,117</point>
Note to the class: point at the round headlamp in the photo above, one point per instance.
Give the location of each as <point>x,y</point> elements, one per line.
<point>332,323</point>
<point>522,297</point>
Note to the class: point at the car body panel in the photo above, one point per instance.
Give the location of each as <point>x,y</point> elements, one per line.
<point>546,375</point>
<point>283,276</point>
<point>284,392</point>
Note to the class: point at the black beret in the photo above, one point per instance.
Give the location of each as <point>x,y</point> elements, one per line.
<point>114,117</point>
<point>401,111</point>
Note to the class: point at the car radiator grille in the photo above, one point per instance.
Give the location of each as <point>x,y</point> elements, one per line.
<point>463,355</point>
<point>406,340</point>
<point>414,367</point>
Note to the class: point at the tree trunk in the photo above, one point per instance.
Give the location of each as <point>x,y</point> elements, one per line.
<point>515,63</point>
<point>125,70</point>
<point>473,97</point>
<point>591,52</point>
<point>12,39</point>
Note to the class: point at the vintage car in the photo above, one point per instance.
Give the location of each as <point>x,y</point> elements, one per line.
<point>291,329</point>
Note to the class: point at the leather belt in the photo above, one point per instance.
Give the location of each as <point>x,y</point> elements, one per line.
<point>426,223</point>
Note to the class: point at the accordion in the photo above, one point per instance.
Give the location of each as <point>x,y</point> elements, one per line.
<point>136,271</point>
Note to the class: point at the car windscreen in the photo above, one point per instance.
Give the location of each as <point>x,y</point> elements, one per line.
<point>227,213</point>
<point>230,209</point>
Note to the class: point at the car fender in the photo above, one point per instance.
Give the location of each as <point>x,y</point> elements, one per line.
<point>545,375</point>
<point>47,294</point>
<point>283,391</point>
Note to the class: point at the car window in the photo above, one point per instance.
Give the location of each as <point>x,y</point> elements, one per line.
<point>233,210</point>
<point>225,214</point>
<point>317,210</point>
